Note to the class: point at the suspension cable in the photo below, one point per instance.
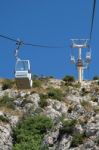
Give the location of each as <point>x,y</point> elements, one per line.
<point>92,21</point>
<point>19,42</point>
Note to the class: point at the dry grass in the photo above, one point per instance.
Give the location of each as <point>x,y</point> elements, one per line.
<point>83,120</point>
<point>87,105</point>
<point>11,112</point>
<point>96,109</point>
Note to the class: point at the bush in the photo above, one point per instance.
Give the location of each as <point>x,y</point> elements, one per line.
<point>7,84</point>
<point>36,83</point>
<point>55,94</point>
<point>68,126</point>
<point>77,140</point>
<point>4,119</point>
<point>5,101</point>
<point>84,91</point>
<point>29,134</point>
<point>43,100</point>
<point>77,85</point>
<point>96,78</point>
<point>94,99</point>
<point>96,109</point>
<point>69,78</point>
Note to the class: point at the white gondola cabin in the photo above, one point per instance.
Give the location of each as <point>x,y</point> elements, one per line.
<point>72,59</point>
<point>88,57</point>
<point>22,74</point>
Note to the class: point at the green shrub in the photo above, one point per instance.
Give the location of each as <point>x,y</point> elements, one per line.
<point>94,99</point>
<point>43,100</point>
<point>77,85</point>
<point>68,126</point>
<point>43,103</point>
<point>37,83</point>
<point>43,96</point>
<point>4,119</point>
<point>77,139</point>
<point>96,109</point>
<point>55,94</point>
<point>28,135</point>
<point>96,78</point>
<point>69,78</point>
<point>84,92</point>
<point>5,101</point>
<point>7,84</point>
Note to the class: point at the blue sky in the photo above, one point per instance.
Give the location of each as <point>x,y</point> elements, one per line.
<point>47,22</point>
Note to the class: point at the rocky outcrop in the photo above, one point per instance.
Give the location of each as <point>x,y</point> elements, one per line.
<point>9,117</point>
<point>80,103</point>
<point>55,110</point>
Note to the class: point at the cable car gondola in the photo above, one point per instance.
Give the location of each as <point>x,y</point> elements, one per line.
<point>72,59</point>
<point>22,74</point>
<point>88,57</point>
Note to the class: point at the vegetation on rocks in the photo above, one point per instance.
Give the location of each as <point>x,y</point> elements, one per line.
<point>87,106</point>
<point>7,102</point>
<point>68,126</point>
<point>68,78</point>
<point>97,141</point>
<point>96,78</point>
<point>54,114</point>
<point>4,119</point>
<point>7,84</point>
<point>30,132</point>
<point>39,80</point>
<point>43,100</point>
<point>77,139</point>
<point>84,92</point>
<point>55,93</point>
<point>36,83</point>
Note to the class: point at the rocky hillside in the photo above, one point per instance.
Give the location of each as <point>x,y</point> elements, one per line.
<point>53,115</point>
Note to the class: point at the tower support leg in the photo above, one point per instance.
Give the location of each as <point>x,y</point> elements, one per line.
<point>80,74</point>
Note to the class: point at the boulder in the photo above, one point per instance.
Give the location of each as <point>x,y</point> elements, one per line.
<point>35,99</point>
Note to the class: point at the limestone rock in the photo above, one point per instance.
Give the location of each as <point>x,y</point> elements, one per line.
<point>27,102</point>
<point>78,129</point>
<point>91,129</point>
<point>65,142</point>
<point>5,137</point>
<point>52,113</point>
<point>35,99</point>
<point>89,144</point>
<point>13,120</point>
